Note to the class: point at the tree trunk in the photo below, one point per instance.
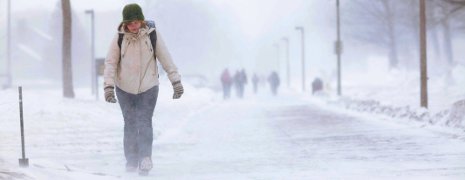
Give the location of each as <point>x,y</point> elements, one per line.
<point>435,42</point>
<point>414,21</point>
<point>393,56</point>
<point>68,90</point>
<point>423,58</point>
<point>448,51</point>
<point>448,42</point>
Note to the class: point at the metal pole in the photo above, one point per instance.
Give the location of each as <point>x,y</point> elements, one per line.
<point>8,46</point>
<point>287,61</point>
<point>339,50</point>
<point>303,56</point>
<point>93,68</point>
<point>93,57</point>
<point>423,57</point>
<point>23,162</point>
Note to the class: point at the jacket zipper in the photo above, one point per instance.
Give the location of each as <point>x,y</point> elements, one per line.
<point>146,68</point>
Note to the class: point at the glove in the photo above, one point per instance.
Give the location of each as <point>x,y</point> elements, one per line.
<point>178,90</point>
<point>110,94</point>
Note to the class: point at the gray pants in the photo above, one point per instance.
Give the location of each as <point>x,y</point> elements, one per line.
<point>138,132</point>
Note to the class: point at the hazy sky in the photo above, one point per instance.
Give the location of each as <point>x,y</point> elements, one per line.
<point>20,5</point>
<point>251,15</point>
<point>261,23</point>
<point>255,16</point>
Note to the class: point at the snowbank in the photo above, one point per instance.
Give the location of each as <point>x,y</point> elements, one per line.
<point>395,94</point>
<point>453,117</point>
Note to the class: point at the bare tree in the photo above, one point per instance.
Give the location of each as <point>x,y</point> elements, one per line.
<point>445,23</point>
<point>376,22</point>
<point>444,14</point>
<point>458,10</point>
<point>393,25</point>
<point>68,90</point>
<point>437,21</point>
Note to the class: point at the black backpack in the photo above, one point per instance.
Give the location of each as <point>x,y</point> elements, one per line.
<point>153,36</point>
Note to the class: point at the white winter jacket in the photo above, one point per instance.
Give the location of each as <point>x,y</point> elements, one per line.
<point>137,71</point>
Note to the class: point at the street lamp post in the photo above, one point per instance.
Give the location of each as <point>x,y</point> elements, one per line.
<point>338,49</point>
<point>301,29</point>
<point>286,40</point>
<point>93,68</point>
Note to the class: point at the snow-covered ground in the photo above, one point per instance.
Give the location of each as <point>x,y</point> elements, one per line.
<point>396,94</point>
<point>203,137</point>
<point>60,133</point>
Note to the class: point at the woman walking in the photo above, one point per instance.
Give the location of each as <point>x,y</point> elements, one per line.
<point>131,70</point>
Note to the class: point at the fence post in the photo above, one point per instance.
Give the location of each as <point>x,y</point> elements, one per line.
<point>23,162</point>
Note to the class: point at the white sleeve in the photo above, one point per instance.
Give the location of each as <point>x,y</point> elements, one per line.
<point>111,63</point>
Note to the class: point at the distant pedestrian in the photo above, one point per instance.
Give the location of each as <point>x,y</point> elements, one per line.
<point>240,80</point>
<point>226,82</point>
<point>317,85</point>
<point>274,81</point>
<point>131,69</point>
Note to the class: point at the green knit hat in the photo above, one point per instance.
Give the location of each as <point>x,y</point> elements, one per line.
<point>132,12</point>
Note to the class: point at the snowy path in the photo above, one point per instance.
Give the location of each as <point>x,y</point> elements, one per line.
<point>282,140</point>
<point>260,138</point>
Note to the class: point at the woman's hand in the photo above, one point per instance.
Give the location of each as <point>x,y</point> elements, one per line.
<point>110,94</point>
<point>178,90</point>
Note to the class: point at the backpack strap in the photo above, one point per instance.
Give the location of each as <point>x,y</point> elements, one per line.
<point>153,36</point>
<point>120,39</point>
<point>153,40</point>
